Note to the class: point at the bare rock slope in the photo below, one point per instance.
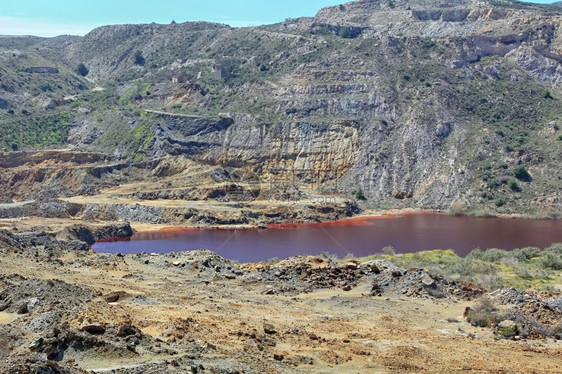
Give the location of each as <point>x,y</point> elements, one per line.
<point>432,104</point>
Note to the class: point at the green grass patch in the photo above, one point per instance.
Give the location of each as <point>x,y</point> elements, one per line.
<point>526,268</point>
<point>35,131</point>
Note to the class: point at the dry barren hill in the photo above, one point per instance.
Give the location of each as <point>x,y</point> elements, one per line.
<point>432,104</point>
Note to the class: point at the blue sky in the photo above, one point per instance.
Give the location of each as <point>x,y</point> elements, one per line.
<point>77,17</point>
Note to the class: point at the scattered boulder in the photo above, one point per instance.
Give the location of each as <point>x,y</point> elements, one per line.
<point>507,324</point>
<point>427,280</point>
<point>419,283</point>
<point>94,328</point>
<point>269,329</point>
<point>127,330</point>
<point>23,309</point>
<point>304,273</point>
<point>541,309</point>
<point>115,296</point>
<point>555,303</point>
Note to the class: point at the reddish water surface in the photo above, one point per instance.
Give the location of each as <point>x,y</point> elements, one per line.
<point>359,236</point>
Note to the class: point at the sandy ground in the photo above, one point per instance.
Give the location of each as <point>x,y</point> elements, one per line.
<point>323,331</point>
<point>6,318</point>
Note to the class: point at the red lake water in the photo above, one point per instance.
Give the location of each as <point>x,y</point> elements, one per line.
<point>360,236</point>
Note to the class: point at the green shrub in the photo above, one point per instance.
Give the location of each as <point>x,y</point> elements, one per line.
<point>483,314</point>
<point>513,185</point>
<point>273,260</point>
<point>359,195</point>
<point>389,250</point>
<point>551,257</point>
<point>462,268</point>
<point>493,183</point>
<point>551,260</point>
<point>82,69</point>
<point>138,58</point>
<point>521,173</point>
<point>482,268</point>
<point>525,254</point>
<point>523,271</point>
<point>345,32</point>
<point>500,201</point>
<point>429,44</point>
<point>508,332</point>
<point>555,248</point>
<point>475,254</point>
<point>546,94</point>
<point>494,255</point>
<point>328,256</point>
<point>560,137</point>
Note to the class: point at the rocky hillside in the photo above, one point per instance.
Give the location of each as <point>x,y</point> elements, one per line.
<point>423,103</point>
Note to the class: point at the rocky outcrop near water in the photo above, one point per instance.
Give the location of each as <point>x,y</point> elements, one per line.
<point>76,237</point>
<point>90,235</point>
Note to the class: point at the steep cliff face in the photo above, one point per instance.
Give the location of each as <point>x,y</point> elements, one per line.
<point>496,28</point>
<point>424,103</point>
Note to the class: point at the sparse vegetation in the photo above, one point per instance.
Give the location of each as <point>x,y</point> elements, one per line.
<point>37,131</point>
<point>82,69</point>
<point>138,58</point>
<point>345,32</point>
<point>388,250</point>
<point>328,256</point>
<point>521,173</point>
<point>359,194</point>
<point>500,201</point>
<point>273,260</point>
<point>483,314</point>
<point>513,185</point>
<point>493,268</point>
